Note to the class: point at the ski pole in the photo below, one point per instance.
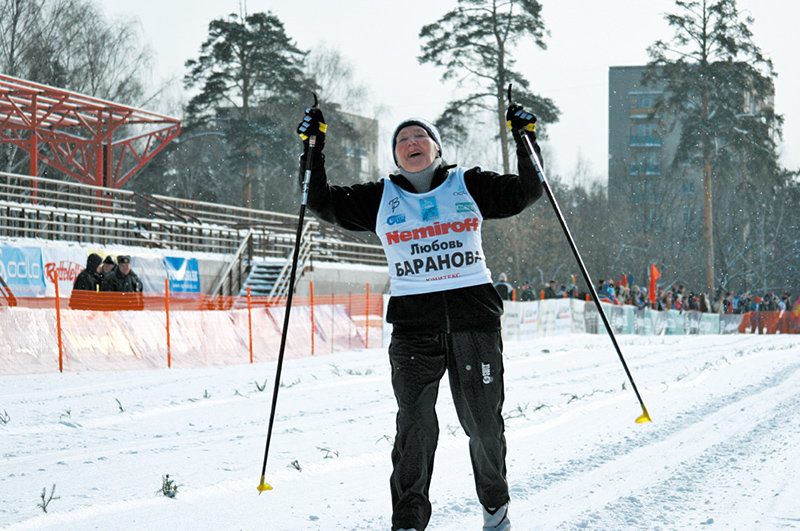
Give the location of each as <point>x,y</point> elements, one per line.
<point>312,140</point>
<point>644,417</point>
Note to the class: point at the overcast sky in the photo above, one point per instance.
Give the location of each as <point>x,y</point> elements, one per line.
<point>381,40</point>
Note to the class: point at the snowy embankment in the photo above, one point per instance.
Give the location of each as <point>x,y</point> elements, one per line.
<point>721,453</point>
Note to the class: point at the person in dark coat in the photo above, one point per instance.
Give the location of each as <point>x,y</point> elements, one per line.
<point>550,290</point>
<point>444,310</point>
<point>109,265</point>
<point>504,289</point>
<point>528,294</point>
<point>122,279</point>
<point>87,282</point>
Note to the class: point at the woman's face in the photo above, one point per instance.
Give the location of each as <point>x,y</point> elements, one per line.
<point>414,149</point>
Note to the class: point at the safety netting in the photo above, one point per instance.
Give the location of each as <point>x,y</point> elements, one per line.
<point>116,331</point>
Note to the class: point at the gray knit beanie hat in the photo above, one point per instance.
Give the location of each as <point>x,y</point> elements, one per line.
<point>431,129</point>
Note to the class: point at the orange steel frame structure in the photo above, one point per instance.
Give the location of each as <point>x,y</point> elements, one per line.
<point>79,132</point>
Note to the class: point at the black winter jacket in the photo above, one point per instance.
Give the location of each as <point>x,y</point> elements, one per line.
<point>497,196</point>
<point>88,279</point>
<point>116,281</point>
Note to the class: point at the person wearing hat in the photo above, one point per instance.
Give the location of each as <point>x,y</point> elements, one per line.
<point>527,292</point>
<point>86,283</point>
<point>443,307</point>
<point>122,279</point>
<point>550,290</point>
<point>109,265</point>
<point>504,289</point>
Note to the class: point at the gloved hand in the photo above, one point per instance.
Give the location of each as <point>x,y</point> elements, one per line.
<point>313,124</point>
<point>518,119</point>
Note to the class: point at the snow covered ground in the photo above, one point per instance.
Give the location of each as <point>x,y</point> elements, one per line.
<point>722,452</point>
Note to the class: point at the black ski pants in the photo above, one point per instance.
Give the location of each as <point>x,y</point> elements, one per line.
<point>474,363</point>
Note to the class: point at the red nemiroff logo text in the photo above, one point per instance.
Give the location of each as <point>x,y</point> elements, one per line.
<point>437,229</point>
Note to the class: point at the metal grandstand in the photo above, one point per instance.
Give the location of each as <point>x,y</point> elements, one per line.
<point>35,207</point>
<point>80,135</point>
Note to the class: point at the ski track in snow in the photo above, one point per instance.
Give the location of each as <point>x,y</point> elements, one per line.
<point>721,452</point>
<point>657,491</point>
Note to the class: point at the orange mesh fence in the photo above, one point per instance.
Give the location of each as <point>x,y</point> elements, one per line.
<point>114,331</point>
<point>781,322</point>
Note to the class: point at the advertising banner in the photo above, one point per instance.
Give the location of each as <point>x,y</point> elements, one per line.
<point>529,319</point>
<point>547,317</point>
<point>692,322</point>
<point>22,270</point>
<point>510,321</point>
<point>729,323</point>
<point>628,319</point>
<point>640,321</point>
<point>616,317</point>
<point>184,277</point>
<point>675,323</point>
<point>563,317</point>
<point>591,318</point>
<point>578,316</point>
<point>658,322</point>
<point>28,271</point>
<point>151,271</point>
<point>709,323</point>
<point>66,263</point>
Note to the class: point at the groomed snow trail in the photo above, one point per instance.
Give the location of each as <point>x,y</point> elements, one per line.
<point>720,453</point>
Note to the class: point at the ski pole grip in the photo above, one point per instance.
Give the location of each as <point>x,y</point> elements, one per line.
<point>532,154</point>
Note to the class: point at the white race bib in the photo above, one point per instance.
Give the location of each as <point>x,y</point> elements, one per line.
<point>432,241</point>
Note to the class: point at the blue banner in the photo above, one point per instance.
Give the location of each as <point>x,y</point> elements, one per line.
<point>184,277</point>
<point>21,268</point>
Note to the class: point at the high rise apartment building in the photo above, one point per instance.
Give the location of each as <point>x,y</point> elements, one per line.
<point>641,147</point>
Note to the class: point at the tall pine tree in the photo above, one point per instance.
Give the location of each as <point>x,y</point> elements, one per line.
<point>719,86</point>
<point>251,81</point>
<point>475,43</point>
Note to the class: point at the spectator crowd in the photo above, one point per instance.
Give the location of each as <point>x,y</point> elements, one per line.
<point>674,297</point>
<point>104,275</point>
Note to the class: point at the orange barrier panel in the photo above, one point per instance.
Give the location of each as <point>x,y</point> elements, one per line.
<point>763,322</point>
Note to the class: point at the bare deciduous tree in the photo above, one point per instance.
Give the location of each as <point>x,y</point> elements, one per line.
<point>69,44</point>
<point>336,79</point>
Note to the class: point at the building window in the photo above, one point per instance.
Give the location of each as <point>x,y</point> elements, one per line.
<point>646,101</point>
<point>643,100</point>
<point>646,129</point>
<point>646,163</point>
<point>645,134</point>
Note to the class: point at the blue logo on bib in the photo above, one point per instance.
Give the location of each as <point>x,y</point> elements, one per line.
<point>396,220</point>
<point>430,210</point>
